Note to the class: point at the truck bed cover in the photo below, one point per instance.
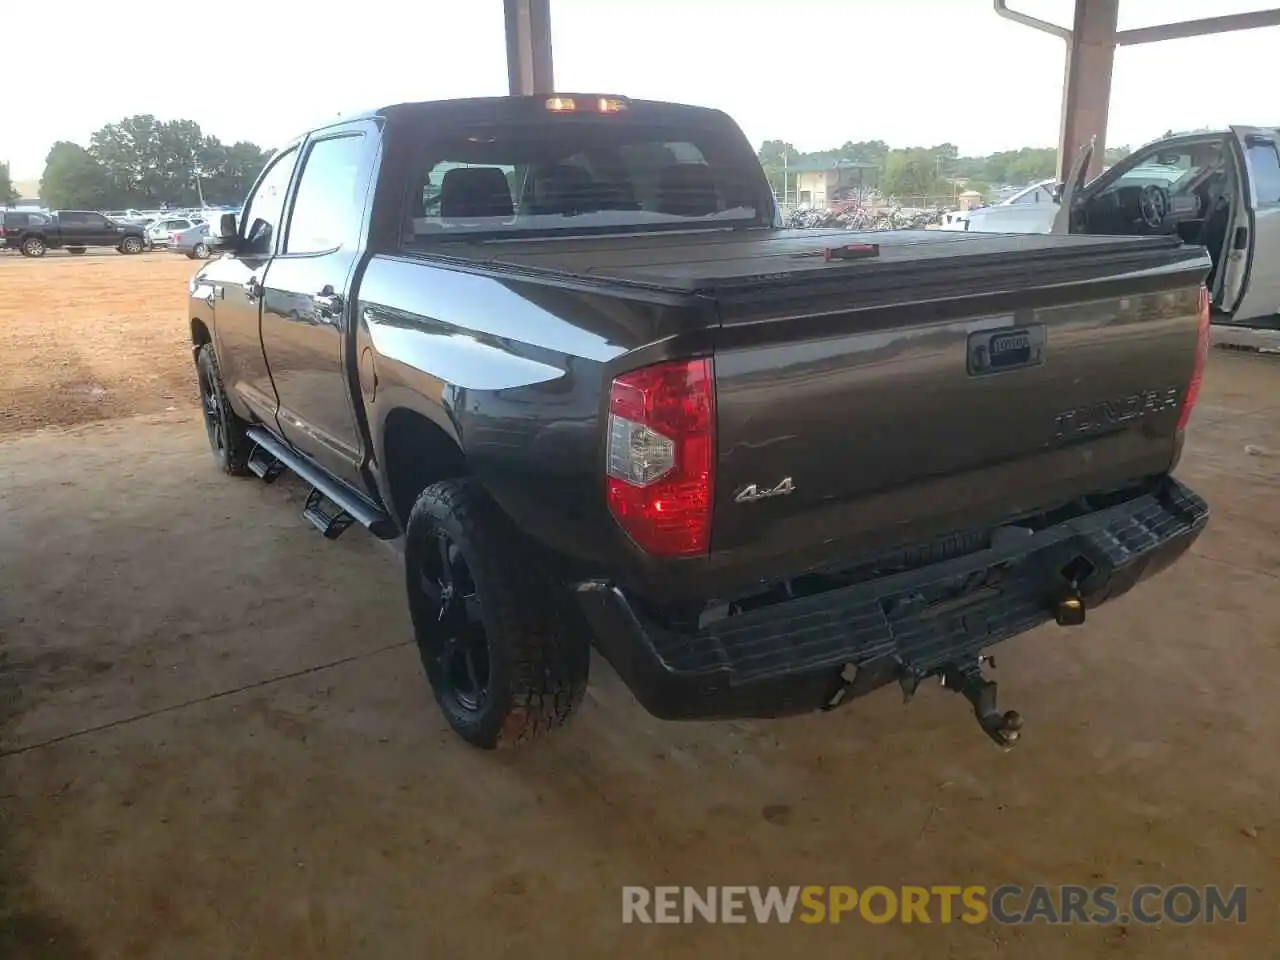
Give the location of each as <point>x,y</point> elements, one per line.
<point>706,262</point>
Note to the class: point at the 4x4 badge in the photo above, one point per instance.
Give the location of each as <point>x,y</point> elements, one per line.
<point>751,493</point>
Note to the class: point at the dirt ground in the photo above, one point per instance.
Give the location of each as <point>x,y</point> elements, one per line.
<point>217,741</point>
<point>92,337</point>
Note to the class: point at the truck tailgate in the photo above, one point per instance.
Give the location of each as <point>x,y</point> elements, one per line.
<point>895,400</point>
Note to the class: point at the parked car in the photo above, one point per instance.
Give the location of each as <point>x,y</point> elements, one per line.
<point>161,232</point>
<point>193,242</point>
<point>1023,212</point>
<point>597,393</point>
<point>75,230</point>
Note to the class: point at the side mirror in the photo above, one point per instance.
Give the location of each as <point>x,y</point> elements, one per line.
<point>1057,191</point>
<point>227,239</point>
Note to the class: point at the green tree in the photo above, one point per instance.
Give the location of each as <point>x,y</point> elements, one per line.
<point>912,173</point>
<point>73,178</point>
<point>227,172</point>
<point>150,162</point>
<point>1116,154</point>
<point>8,192</point>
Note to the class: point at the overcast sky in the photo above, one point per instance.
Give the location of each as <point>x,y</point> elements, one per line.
<point>815,72</point>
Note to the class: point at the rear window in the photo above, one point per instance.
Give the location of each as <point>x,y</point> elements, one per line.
<point>570,175</point>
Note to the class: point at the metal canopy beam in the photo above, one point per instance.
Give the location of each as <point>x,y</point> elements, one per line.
<point>1091,47</point>
<point>528,24</point>
<point>1199,28</point>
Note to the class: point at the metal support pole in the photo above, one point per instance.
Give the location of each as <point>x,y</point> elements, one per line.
<point>1086,88</point>
<point>529,46</point>
<point>1091,50</point>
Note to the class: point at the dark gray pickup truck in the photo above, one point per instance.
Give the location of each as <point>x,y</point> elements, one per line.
<point>560,351</point>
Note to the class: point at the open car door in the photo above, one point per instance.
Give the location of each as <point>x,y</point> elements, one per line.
<point>1073,184</point>
<point>1251,284</point>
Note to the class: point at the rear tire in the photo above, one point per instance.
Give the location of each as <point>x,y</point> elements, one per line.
<point>228,437</point>
<point>505,658</point>
<point>75,251</point>
<point>34,247</point>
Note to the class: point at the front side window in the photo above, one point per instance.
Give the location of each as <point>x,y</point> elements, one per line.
<point>593,174</point>
<point>326,210</point>
<point>265,209</point>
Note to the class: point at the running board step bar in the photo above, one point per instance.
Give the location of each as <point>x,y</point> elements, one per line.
<point>263,465</point>
<point>326,516</point>
<point>339,495</point>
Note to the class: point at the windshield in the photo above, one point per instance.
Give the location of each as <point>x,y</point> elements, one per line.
<point>581,175</point>
<point>1173,168</point>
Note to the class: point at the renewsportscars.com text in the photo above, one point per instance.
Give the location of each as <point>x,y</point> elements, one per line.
<point>1009,904</point>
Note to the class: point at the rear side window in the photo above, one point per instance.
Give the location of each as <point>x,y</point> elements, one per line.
<point>1264,169</point>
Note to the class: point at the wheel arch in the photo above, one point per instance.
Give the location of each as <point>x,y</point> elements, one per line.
<point>416,446</point>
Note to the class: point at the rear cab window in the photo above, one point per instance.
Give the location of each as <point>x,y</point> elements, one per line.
<point>555,173</point>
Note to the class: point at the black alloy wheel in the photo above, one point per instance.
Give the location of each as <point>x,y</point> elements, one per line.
<point>458,658</point>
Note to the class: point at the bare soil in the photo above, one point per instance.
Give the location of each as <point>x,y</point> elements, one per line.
<point>217,741</point>
<point>93,337</point>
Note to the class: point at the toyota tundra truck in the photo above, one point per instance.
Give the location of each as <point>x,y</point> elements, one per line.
<point>560,351</point>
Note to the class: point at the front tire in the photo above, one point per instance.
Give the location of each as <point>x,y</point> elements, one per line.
<point>200,251</point>
<point>131,245</point>
<point>227,434</point>
<point>34,247</point>
<point>505,659</point>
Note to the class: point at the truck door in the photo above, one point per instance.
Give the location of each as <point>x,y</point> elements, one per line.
<point>1072,186</point>
<point>235,284</point>
<point>307,315</point>
<point>73,228</point>
<point>1251,279</point>
<point>100,231</point>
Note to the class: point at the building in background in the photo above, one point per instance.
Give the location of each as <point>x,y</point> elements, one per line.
<point>820,183</point>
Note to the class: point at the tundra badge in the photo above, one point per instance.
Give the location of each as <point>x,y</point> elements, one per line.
<point>751,493</point>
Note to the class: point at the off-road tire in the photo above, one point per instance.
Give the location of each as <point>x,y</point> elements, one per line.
<point>539,654</point>
<point>231,445</point>
<point>34,247</point>
<point>132,245</point>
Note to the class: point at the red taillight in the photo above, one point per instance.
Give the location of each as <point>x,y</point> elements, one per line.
<point>661,456</point>
<point>1202,357</point>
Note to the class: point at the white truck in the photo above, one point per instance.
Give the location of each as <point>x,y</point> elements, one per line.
<point>1219,189</point>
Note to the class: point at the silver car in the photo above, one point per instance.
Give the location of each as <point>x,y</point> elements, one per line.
<point>193,241</point>
<point>161,233</point>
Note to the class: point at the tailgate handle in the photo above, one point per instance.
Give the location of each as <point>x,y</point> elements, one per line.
<point>1006,348</point>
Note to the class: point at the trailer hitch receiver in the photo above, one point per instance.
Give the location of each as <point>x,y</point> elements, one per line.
<point>968,681</point>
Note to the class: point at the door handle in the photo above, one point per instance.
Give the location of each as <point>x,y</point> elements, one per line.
<point>252,289</point>
<point>328,304</point>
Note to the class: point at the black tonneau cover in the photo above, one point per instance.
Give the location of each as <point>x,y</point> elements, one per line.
<point>720,261</point>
